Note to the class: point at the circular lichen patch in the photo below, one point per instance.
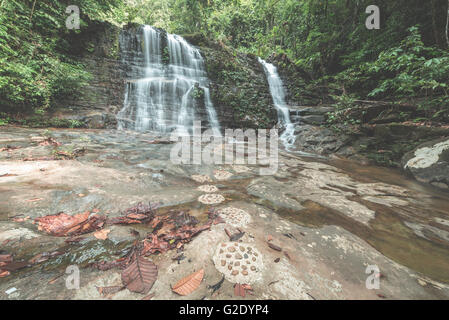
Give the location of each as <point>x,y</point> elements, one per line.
<point>208,188</point>
<point>222,175</point>
<point>239,262</point>
<point>240,169</point>
<point>201,178</point>
<point>211,198</point>
<point>235,217</point>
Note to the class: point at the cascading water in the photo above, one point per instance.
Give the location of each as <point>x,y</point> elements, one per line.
<point>278,93</point>
<point>166,79</point>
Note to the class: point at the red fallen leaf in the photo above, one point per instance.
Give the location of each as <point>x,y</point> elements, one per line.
<point>109,290</point>
<point>137,216</point>
<point>148,297</point>
<point>381,296</point>
<point>8,175</point>
<point>44,256</point>
<point>237,290</point>
<point>65,225</point>
<point>102,234</point>
<point>4,273</point>
<point>140,275</point>
<point>269,238</point>
<point>21,219</point>
<point>50,142</point>
<point>189,284</point>
<point>240,289</point>
<point>247,287</point>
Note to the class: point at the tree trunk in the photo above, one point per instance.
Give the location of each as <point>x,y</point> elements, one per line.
<point>447,25</point>
<point>32,10</point>
<point>434,24</point>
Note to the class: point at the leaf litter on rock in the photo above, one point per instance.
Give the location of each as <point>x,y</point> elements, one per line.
<point>189,284</point>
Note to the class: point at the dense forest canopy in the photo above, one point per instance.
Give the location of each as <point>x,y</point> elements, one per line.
<point>406,59</point>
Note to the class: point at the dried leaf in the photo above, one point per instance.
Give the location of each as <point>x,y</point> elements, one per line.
<point>65,225</point>
<point>21,219</point>
<point>274,247</point>
<point>102,234</point>
<point>140,275</point>
<point>239,290</point>
<point>109,290</point>
<point>189,284</point>
<point>269,238</point>
<point>4,273</point>
<point>236,289</point>
<point>148,297</point>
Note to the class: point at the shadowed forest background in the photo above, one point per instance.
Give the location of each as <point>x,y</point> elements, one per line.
<point>326,41</point>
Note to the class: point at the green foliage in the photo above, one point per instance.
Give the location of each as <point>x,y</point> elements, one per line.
<point>35,67</point>
<point>410,72</point>
<point>327,39</point>
<point>197,93</point>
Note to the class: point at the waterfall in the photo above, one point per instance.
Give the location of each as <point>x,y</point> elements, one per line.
<point>278,93</point>
<point>167,87</point>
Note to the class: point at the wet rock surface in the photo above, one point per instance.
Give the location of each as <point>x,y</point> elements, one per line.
<point>331,220</point>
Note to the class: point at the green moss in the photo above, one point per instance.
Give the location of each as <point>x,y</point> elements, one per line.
<point>39,121</point>
<point>240,87</point>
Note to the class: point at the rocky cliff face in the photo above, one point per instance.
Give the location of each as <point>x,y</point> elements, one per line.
<point>238,88</point>
<point>98,49</point>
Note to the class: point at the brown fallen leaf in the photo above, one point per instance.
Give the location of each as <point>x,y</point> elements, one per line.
<point>54,279</point>
<point>228,233</point>
<point>21,219</point>
<point>8,175</point>
<point>63,224</point>
<point>189,284</point>
<point>140,275</point>
<point>50,142</point>
<point>274,247</point>
<point>102,234</point>
<point>237,290</point>
<point>105,291</point>
<point>241,289</point>
<point>148,297</point>
<point>4,273</point>
<point>269,238</point>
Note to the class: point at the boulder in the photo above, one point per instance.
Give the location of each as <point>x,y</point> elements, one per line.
<point>429,163</point>
<point>313,120</point>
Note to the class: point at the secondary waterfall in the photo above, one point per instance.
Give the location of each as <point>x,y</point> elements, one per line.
<point>167,86</point>
<point>278,93</point>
